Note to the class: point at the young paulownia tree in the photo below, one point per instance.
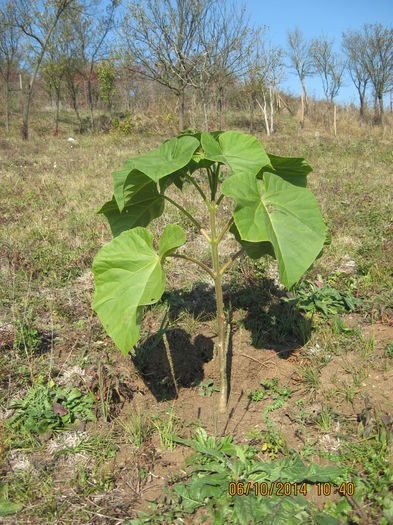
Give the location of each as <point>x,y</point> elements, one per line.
<point>275,214</point>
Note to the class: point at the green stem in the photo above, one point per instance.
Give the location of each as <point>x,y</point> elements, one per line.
<point>220,198</point>
<point>221,350</point>
<point>200,190</point>
<point>189,216</point>
<point>195,261</point>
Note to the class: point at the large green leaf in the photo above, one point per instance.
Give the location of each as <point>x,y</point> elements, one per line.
<point>156,164</point>
<point>167,158</point>
<point>143,207</point>
<point>128,274</point>
<point>255,250</point>
<point>286,215</point>
<point>119,178</point>
<point>172,237</point>
<point>292,169</point>
<point>240,152</point>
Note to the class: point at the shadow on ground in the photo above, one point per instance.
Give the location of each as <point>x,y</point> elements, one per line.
<point>257,306</point>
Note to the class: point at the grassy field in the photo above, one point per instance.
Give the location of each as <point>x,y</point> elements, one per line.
<point>312,371</point>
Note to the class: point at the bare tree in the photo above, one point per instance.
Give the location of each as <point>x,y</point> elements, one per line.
<point>92,30</point>
<point>265,71</point>
<point>37,21</point>
<point>162,42</point>
<point>9,46</point>
<point>225,39</point>
<point>354,46</point>
<point>300,57</point>
<point>378,57</point>
<point>72,57</point>
<point>52,70</point>
<point>328,65</point>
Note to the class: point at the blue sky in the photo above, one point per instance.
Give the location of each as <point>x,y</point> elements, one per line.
<point>330,17</point>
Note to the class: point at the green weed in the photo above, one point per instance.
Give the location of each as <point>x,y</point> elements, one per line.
<point>221,473</point>
<point>49,408</point>
<point>137,429</point>
<point>207,388</point>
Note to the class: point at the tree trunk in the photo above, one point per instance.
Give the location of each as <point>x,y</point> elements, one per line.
<point>205,115</point>
<point>219,106</point>
<point>25,113</point>
<point>362,103</point>
<point>7,121</point>
<point>251,114</point>
<point>305,96</point>
<point>271,111</point>
<point>376,109</point>
<point>29,92</point>
<point>381,109</point>
<point>264,112</point>
<point>335,120</point>
<point>57,113</point>
<point>90,100</point>
<point>75,106</point>
<point>301,109</point>
<point>181,110</point>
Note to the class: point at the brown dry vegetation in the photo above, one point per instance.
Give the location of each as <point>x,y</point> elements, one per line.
<point>339,369</point>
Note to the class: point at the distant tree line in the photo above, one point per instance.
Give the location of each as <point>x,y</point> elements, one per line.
<point>86,53</point>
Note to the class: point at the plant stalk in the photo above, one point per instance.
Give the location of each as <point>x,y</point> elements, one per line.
<point>221,350</point>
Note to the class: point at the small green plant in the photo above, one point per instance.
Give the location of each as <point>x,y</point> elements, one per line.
<point>207,388</point>
<point>275,214</point>
<point>389,350</point>
<point>49,408</point>
<point>271,390</point>
<point>26,333</point>
<point>312,298</point>
<point>324,418</point>
<point>137,429</point>
<point>273,441</point>
<point>167,428</point>
<point>225,482</point>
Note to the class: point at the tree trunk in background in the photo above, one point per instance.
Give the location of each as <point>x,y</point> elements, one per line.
<point>376,110</point>
<point>362,97</point>
<point>335,120</point>
<point>205,115</point>
<point>57,113</point>
<point>6,105</point>
<point>75,106</point>
<point>305,96</point>
<point>29,92</point>
<point>90,101</point>
<point>181,110</point>
<point>381,109</point>
<point>251,114</point>
<point>271,110</point>
<point>220,95</point>
<point>301,109</point>
<point>25,114</point>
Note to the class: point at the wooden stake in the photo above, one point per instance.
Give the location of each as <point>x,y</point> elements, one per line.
<point>169,357</point>
<point>335,120</point>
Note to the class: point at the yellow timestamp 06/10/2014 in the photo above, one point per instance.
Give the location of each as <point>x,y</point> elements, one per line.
<point>280,488</point>
<point>264,488</point>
